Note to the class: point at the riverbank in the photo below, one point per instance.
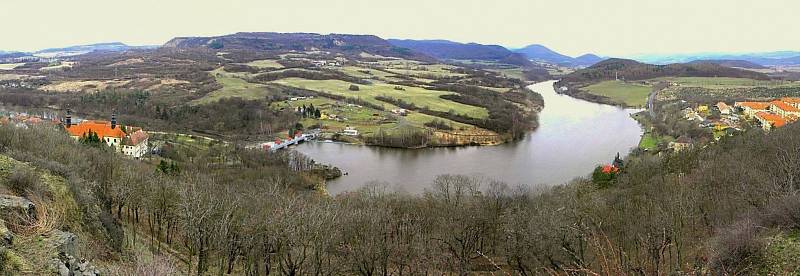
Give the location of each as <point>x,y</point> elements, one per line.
<point>573,137</point>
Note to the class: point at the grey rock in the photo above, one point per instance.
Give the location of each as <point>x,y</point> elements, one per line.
<point>20,206</point>
<point>64,242</point>
<point>63,270</point>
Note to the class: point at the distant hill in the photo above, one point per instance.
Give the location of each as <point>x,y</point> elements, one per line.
<point>445,49</point>
<point>784,58</point>
<point>731,63</point>
<point>633,70</point>
<point>587,60</point>
<point>542,53</point>
<point>266,41</point>
<point>83,49</point>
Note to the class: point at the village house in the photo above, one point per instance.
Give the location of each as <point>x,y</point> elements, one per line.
<point>681,143</point>
<point>724,108</point>
<point>795,102</point>
<point>770,120</point>
<point>783,109</point>
<point>350,131</point>
<point>749,109</point>
<point>131,141</point>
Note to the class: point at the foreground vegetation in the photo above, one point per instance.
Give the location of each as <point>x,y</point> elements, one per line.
<point>717,210</point>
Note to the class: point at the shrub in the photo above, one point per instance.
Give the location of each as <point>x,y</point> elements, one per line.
<point>438,124</point>
<point>22,180</point>
<point>353,87</point>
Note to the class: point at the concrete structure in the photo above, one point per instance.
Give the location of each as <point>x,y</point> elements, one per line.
<point>284,143</point>
<point>350,131</point>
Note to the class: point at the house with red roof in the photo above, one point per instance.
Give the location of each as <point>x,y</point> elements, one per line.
<point>784,109</point>
<point>770,120</point>
<point>131,141</point>
<point>751,108</point>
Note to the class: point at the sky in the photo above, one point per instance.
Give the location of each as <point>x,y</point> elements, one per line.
<point>573,27</point>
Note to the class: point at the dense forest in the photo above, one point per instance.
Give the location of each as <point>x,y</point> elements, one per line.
<point>729,208</point>
<point>633,70</point>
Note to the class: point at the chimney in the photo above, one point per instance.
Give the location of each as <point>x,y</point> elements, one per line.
<point>113,120</point>
<point>68,119</point>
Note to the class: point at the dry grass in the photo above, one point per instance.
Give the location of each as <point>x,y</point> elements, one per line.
<point>47,218</point>
<point>83,86</point>
<point>127,62</point>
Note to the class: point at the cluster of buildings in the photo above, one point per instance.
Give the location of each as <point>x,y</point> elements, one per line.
<point>24,120</point>
<point>772,114</point>
<point>768,115</point>
<point>131,141</point>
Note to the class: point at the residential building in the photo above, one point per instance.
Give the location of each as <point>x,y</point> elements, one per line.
<point>681,143</point>
<point>769,121</point>
<point>751,108</point>
<point>783,109</point>
<point>792,101</point>
<point>724,108</point>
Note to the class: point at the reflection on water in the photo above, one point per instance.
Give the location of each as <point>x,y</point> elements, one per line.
<point>573,137</point>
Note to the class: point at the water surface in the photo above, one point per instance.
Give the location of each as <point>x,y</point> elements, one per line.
<point>573,137</point>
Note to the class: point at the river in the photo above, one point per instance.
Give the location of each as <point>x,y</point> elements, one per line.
<point>573,137</point>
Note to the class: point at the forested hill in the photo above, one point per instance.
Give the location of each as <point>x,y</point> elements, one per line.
<point>731,63</point>
<point>633,70</point>
<point>445,49</point>
<point>268,41</point>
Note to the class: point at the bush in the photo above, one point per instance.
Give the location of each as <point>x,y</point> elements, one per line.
<point>438,124</point>
<point>353,87</point>
<point>22,180</point>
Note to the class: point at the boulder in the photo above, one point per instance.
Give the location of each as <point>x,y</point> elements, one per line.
<point>63,242</point>
<point>14,205</point>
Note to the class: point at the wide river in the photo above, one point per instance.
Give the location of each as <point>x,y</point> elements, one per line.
<point>573,137</point>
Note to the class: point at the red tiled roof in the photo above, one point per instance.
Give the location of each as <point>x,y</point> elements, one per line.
<point>136,137</point>
<point>102,128</point>
<point>785,106</point>
<point>775,119</point>
<point>790,100</point>
<point>607,169</point>
<point>754,105</point>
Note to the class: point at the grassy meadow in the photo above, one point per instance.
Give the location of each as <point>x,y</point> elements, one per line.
<point>621,92</point>
<point>419,96</point>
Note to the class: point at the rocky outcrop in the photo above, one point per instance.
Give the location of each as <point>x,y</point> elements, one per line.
<point>67,265</point>
<point>14,205</point>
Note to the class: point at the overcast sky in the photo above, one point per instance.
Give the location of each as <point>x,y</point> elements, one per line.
<point>572,27</point>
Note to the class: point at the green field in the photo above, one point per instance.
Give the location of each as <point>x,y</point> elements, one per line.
<point>235,87</point>
<point>266,63</point>
<point>359,72</point>
<point>419,96</point>
<point>621,92</point>
<point>365,119</point>
<point>712,83</point>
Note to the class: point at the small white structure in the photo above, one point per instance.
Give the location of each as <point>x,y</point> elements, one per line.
<point>350,131</point>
